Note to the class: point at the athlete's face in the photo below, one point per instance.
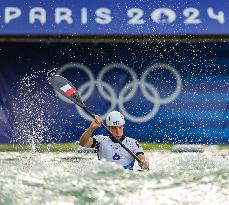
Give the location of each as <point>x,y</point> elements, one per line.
<point>117,131</point>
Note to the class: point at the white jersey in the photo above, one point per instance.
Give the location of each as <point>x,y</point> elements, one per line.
<point>111,151</point>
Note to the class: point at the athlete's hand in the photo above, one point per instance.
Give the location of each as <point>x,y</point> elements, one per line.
<point>96,122</point>
<point>144,165</point>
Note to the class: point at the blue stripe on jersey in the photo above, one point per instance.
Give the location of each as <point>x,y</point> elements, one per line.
<point>129,166</point>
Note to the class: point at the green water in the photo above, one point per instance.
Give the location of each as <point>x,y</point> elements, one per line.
<point>74,178</point>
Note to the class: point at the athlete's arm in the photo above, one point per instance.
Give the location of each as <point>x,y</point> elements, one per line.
<point>143,164</point>
<point>86,140</point>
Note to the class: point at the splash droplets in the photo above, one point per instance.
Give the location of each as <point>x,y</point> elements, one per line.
<point>34,110</point>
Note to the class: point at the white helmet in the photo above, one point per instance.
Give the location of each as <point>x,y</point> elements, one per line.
<point>115,118</point>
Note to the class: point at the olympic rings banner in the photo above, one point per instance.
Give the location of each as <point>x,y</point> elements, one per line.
<point>110,17</point>
<point>167,92</point>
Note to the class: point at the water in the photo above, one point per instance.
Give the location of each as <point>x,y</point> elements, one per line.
<point>77,178</point>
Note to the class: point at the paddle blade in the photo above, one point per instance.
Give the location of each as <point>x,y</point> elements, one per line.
<point>65,88</point>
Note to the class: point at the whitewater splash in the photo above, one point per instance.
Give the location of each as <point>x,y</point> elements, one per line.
<point>36,117</point>
<point>73,178</point>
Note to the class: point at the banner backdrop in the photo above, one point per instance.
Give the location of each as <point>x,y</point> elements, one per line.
<point>123,17</point>
<point>168,92</point>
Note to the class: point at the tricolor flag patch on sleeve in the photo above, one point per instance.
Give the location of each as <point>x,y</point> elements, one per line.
<point>68,89</point>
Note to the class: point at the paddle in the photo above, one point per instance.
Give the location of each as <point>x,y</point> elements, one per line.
<point>65,88</point>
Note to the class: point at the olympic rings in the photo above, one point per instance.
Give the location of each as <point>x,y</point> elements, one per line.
<point>110,95</point>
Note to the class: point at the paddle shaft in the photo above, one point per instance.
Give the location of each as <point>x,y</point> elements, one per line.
<point>65,88</point>
<point>111,135</point>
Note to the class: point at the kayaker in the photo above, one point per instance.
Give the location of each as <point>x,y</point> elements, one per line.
<point>109,149</point>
